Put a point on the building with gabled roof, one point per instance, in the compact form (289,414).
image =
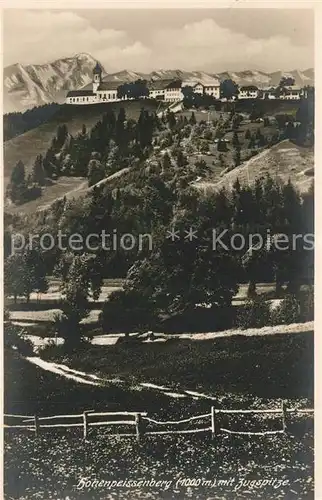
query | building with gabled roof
(248,92)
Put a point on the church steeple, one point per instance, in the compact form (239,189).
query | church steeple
(97,76)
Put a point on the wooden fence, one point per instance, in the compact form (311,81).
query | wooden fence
(140,421)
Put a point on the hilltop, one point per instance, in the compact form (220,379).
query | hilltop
(26,86)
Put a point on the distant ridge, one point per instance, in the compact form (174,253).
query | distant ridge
(26,86)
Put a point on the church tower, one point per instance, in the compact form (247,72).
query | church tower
(97,77)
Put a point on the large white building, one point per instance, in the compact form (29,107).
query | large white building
(248,92)
(166,90)
(96,92)
(204,87)
(291,93)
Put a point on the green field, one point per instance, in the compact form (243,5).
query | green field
(238,373)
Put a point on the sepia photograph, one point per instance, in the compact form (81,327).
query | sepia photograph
(158,253)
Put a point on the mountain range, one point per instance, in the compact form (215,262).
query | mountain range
(26,86)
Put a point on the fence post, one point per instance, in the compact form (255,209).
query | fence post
(37,426)
(85,424)
(284,412)
(138,426)
(214,428)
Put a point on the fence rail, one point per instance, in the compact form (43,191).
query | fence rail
(140,420)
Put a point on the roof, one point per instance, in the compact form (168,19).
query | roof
(175,84)
(249,87)
(292,87)
(109,85)
(164,84)
(80,93)
(205,82)
(98,68)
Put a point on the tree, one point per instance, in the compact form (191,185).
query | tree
(61,135)
(13,276)
(38,172)
(166,162)
(286,81)
(80,154)
(126,311)
(222,146)
(204,147)
(25,273)
(145,128)
(260,138)
(236,157)
(181,159)
(18,174)
(252,142)
(171,119)
(228,89)
(17,187)
(75,306)
(192,119)
(201,168)
(235,141)
(96,170)
(236,121)
(133,90)
(255,112)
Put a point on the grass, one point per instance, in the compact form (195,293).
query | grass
(266,367)
(285,160)
(27,146)
(42,307)
(240,373)
(54,466)
(64,186)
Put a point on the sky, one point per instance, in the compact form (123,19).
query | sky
(211,40)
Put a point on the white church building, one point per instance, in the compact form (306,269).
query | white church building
(106,91)
(100,92)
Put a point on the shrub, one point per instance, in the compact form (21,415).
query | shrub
(255,313)
(126,311)
(287,312)
(307,304)
(6,314)
(52,351)
(14,338)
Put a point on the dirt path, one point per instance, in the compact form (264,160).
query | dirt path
(91,379)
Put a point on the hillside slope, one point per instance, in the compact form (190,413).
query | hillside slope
(285,160)
(27,146)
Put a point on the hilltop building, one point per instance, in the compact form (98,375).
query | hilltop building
(205,87)
(98,91)
(171,90)
(248,92)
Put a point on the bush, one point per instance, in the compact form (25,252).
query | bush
(126,311)
(255,313)
(14,338)
(51,351)
(307,304)
(287,312)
